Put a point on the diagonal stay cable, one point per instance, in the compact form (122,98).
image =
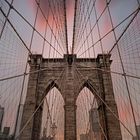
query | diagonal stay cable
(123,69)
(113,72)
(110,110)
(97,94)
(63,28)
(86,22)
(33,26)
(50,115)
(53,7)
(15,31)
(135,12)
(10,7)
(93,6)
(78,77)
(49,25)
(19,75)
(26,66)
(41,102)
(125,29)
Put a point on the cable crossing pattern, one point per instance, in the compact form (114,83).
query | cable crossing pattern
(40,28)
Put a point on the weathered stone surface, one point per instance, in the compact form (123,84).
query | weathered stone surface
(70,75)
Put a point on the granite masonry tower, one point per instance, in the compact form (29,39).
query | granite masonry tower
(70,75)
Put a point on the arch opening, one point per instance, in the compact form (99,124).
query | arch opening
(52,84)
(53,114)
(87,115)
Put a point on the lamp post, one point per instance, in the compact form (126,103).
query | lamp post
(53,128)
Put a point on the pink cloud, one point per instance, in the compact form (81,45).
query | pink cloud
(53,12)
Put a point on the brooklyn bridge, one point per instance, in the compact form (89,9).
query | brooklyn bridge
(69,70)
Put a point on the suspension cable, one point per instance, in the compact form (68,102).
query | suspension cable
(28,121)
(93,45)
(97,94)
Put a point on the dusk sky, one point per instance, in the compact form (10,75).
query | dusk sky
(118,9)
(53,31)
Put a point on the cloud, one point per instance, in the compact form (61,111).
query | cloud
(52,9)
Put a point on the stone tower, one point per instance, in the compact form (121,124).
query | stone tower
(70,75)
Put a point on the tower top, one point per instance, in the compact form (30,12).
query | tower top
(70,58)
